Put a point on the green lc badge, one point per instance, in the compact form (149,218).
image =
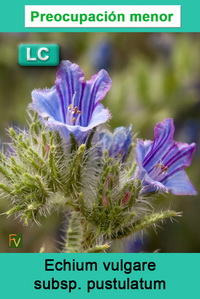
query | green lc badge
(38,54)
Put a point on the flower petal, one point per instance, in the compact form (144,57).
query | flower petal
(153,186)
(121,141)
(70,83)
(163,139)
(99,116)
(141,150)
(179,157)
(105,142)
(179,184)
(117,143)
(94,91)
(149,185)
(47,104)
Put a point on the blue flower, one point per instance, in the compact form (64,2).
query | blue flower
(72,105)
(117,144)
(161,163)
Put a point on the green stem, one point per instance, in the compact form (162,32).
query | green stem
(143,223)
(74,234)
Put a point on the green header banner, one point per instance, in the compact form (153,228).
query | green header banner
(141,276)
(15,16)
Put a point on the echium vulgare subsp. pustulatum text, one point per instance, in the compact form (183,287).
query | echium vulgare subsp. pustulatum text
(104,181)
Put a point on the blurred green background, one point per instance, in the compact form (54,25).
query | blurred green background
(155,76)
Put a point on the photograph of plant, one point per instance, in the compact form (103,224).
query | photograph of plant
(94,159)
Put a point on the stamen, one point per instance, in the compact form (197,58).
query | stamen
(73,99)
(70,107)
(164,168)
(159,171)
(75,109)
(77,119)
(73,113)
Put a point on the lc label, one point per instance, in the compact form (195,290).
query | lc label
(38,54)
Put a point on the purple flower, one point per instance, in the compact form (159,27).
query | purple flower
(161,162)
(72,105)
(117,143)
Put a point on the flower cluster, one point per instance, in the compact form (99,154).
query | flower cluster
(73,105)
(66,160)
